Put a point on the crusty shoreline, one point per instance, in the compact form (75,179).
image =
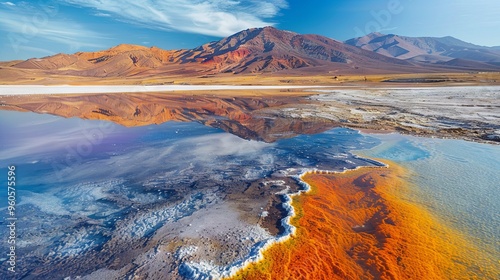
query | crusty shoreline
(355,224)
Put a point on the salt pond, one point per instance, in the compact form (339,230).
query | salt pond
(92,190)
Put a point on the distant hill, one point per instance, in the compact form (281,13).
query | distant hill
(265,50)
(426,49)
(122,60)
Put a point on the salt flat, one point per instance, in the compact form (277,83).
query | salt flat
(466,112)
(67,89)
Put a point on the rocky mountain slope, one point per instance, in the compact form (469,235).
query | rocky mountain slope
(270,49)
(266,50)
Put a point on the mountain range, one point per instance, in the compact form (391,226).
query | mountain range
(444,50)
(265,50)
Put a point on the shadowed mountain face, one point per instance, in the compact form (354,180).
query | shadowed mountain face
(256,50)
(429,49)
(246,117)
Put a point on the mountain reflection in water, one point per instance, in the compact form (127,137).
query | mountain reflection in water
(95,195)
(250,118)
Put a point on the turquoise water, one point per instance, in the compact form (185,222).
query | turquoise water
(458,181)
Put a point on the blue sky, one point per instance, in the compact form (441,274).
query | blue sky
(40,28)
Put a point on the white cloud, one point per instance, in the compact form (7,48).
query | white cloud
(208,17)
(8,3)
(209,147)
(99,14)
(25,27)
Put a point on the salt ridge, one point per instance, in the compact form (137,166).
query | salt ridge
(203,271)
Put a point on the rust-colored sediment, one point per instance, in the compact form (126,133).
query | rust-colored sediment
(355,225)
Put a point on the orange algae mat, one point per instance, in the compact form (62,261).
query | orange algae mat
(355,225)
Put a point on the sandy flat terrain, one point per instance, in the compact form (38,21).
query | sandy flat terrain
(330,78)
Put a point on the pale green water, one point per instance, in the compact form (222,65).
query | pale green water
(457,181)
